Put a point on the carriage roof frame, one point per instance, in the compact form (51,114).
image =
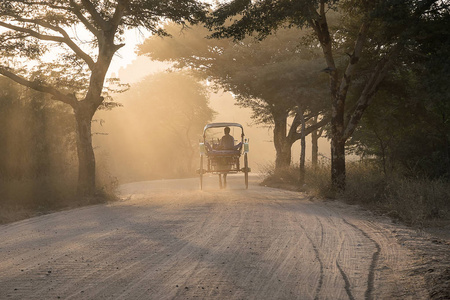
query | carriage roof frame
(222,124)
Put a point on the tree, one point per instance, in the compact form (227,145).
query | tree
(37,136)
(177,110)
(406,129)
(399,22)
(276,78)
(82,36)
(165,113)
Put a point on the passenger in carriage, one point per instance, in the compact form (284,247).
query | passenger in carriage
(227,141)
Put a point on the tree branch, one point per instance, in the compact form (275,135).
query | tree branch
(39,22)
(319,24)
(64,39)
(95,15)
(311,128)
(38,86)
(369,90)
(295,123)
(77,11)
(118,13)
(354,58)
(33,33)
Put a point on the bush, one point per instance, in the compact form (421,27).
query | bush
(25,198)
(416,201)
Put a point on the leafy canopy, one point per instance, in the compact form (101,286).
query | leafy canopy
(65,43)
(267,76)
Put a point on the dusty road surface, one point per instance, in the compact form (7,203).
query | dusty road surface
(168,240)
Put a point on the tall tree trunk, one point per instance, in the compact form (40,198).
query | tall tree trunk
(338,164)
(303,148)
(338,143)
(314,149)
(86,158)
(315,135)
(282,145)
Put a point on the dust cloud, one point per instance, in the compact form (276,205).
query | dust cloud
(136,144)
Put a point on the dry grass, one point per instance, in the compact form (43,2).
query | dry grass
(415,201)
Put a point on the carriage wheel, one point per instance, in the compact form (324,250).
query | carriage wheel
(201,172)
(246,170)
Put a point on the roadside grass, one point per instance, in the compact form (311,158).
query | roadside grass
(26,198)
(415,201)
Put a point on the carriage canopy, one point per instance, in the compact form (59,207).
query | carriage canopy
(222,124)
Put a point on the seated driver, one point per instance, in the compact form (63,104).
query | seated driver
(227,141)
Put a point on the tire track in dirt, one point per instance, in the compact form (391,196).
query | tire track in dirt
(373,264)
(347,285)
(330,237)
(394,262)
(316,251)
(326,241)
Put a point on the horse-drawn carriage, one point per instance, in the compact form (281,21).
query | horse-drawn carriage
(223,159)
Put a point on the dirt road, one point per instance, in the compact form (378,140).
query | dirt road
(168,240)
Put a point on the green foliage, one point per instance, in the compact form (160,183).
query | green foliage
(150,14)
(407,127)
(375,32)
(262,17)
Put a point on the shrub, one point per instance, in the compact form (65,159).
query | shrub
(416,201)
